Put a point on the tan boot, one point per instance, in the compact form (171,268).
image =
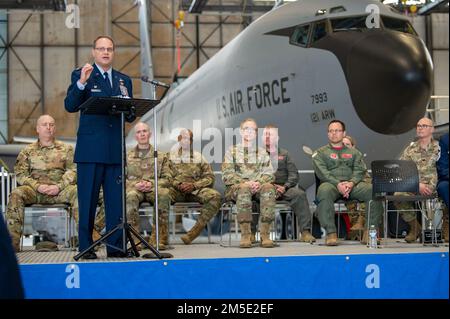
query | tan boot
(73,241)
(16,244)
(306,237)
(152,240)
(194,232)
(245,235)
(266,242)
(359,225)
(253,238)
(414,231)
(95,235)
(164,234)
(331,240)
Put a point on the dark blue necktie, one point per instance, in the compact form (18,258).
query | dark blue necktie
(108,83)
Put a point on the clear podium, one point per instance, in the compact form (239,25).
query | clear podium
(126,108)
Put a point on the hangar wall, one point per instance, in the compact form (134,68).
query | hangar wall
(439,48)
(42,51)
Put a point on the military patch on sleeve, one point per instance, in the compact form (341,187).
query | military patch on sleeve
(438,153)
(333,156)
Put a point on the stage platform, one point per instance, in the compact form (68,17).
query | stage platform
(210,271)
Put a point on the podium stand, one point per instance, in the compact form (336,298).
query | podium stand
(123,107)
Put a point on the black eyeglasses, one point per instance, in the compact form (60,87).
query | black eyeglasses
(423,126)
(102,49)
(335,131)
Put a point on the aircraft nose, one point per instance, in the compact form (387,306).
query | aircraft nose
(390,76)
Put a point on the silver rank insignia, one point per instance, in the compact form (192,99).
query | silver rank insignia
(123,88)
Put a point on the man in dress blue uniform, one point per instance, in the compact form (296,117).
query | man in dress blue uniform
(10,280)
(442,186)
(98,148)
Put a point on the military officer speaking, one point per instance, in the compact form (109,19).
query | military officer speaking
(98,148)
(341,171)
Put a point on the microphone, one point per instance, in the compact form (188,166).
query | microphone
(154,82)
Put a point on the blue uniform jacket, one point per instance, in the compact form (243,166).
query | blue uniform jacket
(442,163)
(99,136)
(10,279)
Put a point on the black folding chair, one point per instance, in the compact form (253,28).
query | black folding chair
(397,176)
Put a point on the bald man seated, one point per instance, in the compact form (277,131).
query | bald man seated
(45,174)
(425,152)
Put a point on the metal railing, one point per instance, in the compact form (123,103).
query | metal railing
(8,183)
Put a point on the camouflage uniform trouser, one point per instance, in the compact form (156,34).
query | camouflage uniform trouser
(408,216)
(135,198)
(327,194)
(242,195)
(208,197)
(25,195)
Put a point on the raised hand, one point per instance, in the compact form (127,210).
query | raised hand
(86,73)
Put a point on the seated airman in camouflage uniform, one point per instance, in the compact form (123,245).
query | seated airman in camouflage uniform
(193,181)
(247,173)
(341,171)
(425,152)
(141,184)
(46,174)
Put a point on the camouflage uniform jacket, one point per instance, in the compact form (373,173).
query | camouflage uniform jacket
(287,173)
(242,164)
(334,165)
(140,166)
(191,167)
(425,160)
(51,165)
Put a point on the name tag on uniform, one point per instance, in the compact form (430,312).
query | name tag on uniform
(280,157)
(347,155)
(96,90)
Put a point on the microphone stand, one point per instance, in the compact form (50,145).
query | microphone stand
(155,163)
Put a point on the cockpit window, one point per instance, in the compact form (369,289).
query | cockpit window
(338,9)
(398,25)
(300,35)
(349,24)
(320,30)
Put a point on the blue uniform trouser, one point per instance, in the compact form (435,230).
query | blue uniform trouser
(442,189)
(90,177)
